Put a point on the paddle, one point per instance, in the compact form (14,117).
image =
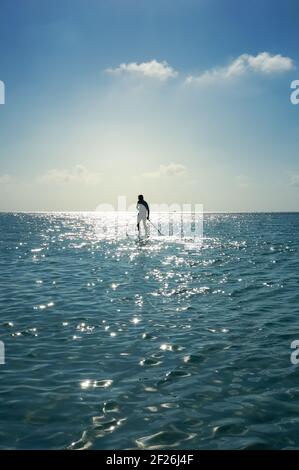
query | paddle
(159,231)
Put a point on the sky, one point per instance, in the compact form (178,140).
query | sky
(185,101)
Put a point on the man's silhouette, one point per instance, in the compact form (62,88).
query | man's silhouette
(143,213)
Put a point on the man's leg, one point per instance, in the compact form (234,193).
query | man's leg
(145,226)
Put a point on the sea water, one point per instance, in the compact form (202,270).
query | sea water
(165,344)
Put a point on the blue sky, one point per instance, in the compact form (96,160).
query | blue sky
(199,111)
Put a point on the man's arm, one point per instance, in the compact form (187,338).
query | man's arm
(147,208)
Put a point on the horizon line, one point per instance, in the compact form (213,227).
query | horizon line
(153,212)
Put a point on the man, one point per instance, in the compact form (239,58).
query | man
(143,213)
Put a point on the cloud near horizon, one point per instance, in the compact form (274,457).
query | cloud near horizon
(5,179)
(153,69)
(165,171)
(243,181)
(78,174)
(294,181)
(263,63)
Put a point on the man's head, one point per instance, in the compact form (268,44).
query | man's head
(140,197)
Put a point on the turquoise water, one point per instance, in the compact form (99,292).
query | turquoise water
(113,344)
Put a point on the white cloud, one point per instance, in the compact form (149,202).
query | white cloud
(166,171)
(267,63)
(78,174)
(294,181)
(263,63)
(152,69)
(5,179)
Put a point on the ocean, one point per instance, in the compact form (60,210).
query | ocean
(167,343)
